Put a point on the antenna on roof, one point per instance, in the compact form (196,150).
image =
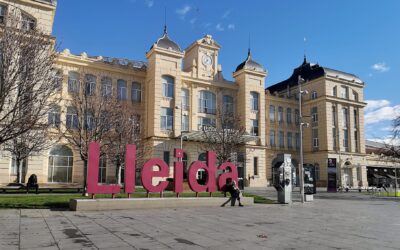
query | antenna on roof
(249,47)
(165,20)
(305,46)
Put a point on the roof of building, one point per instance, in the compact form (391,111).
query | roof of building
(166,43)
(309,71)
(52,2)
(374,144)
(250,64)
(121,62)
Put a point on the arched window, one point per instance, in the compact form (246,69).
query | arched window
(136,93)
(207,102)
(90,84)
(73,82)
(227,104)
(254,100)
(60,164)
(106,86)
(168,86)
(54,116)
(121,88)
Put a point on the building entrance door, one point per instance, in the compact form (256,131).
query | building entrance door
(347,176)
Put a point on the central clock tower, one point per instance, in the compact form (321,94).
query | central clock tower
(201,58)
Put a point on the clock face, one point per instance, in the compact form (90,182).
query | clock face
(207,60)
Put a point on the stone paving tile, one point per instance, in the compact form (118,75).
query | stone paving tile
(323,224)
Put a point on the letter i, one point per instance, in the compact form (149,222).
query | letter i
(178,171)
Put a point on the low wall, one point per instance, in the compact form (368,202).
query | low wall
(145,203)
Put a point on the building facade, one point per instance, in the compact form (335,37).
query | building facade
(177,92)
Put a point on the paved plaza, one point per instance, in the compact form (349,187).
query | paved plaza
(330,222)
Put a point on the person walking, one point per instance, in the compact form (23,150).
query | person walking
(233,189)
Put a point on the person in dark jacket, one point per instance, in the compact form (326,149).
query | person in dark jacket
(32,183)
(233,189)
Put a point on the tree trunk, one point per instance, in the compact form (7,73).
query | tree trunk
(19,170)
(119,173)
(84,190)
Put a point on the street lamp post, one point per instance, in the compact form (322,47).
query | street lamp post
(301,174)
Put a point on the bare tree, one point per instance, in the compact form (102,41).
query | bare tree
(127,131)
(91,115)
(27,79)
(34,141)
(226,137)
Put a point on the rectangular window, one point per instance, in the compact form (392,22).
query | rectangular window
(334,91)
(254,127)
(315,141)
(272,113)
(344,92)
(73,82)
(106,87)
(168,86)
(333,116)
(289,140)
(102,169)
(207,102)
(90,85)
(281,139)
(297,116)
(72,118)
(345,118)
(121,90)
(272,138)
(166,157)
(356,141)
(334,139)
(3,11)
(185,99)
(88,120)
(355,118)
(297,140)
(167,118)
(254,101)
(255,165)
(289,115)
(136,92)
(54,116)
(346,140)
(206,122)
(280,114)
(314,116)
(185,123)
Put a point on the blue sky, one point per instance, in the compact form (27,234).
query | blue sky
(359,36)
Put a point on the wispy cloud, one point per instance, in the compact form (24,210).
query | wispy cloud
(193,20)
(226,14)
(231,26)
(219,27)
(183,11)
(378,111)
(380,67)
(149,3)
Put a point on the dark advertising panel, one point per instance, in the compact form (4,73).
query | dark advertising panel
(331,174)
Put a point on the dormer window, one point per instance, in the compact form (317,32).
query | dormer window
(28,22)
(3,11)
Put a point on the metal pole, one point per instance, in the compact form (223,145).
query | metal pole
(301,144)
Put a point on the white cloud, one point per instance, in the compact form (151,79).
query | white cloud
(231,26)
(193,20)
(183,11)
(149,3)
(380,110)
(219,27)
(380,67)
(375,104)
(226,14)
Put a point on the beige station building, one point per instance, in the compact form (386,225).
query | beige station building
(177,91)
